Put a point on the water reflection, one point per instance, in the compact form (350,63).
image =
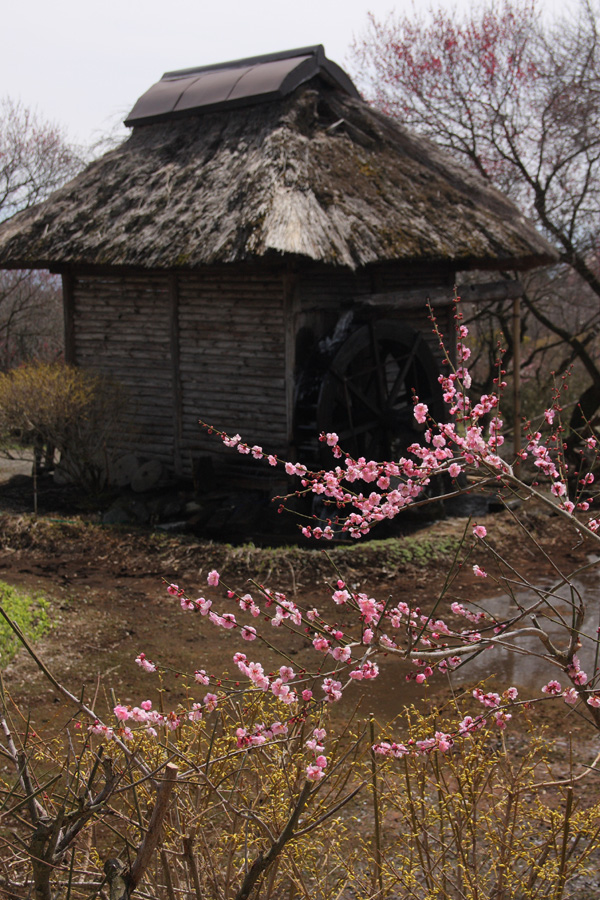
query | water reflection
(388,694)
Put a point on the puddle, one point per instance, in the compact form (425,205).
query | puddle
(388,694)
(524,670)
(11,467)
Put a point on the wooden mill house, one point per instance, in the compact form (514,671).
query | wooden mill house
(258,255)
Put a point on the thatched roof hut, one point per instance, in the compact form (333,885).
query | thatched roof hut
(259,215)
(318,174)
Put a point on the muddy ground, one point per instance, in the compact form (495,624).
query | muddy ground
(108,599)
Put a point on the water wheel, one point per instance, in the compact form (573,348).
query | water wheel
(362,389)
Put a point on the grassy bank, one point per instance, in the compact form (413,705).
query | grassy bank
(30,614)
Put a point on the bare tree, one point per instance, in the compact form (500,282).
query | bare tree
(519,100)
(35,159)
(31,321)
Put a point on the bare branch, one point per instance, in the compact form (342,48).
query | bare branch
(153,835)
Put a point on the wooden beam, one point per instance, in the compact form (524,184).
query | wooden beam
(517,378)
(443,296)
(290,310)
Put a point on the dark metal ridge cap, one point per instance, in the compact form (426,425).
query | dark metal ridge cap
(160,102)
(241,103)
(317,50)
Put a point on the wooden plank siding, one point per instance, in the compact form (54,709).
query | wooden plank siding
(222,345)
(209,345)
(232,363)
(121,327)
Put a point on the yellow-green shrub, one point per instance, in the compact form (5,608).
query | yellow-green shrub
(65,408)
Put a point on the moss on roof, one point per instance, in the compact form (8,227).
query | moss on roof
(319,175)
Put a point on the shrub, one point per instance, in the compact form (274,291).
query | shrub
(481,822)
(69,409)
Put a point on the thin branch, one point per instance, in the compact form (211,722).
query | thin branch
(262,862)
(153,835)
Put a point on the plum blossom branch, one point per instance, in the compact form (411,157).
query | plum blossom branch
(361,493)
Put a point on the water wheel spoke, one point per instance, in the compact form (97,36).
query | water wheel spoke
(379,369)
(403,373)
(355,430)
(349,385)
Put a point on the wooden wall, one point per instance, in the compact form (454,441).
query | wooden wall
(232,351)
(218,345)
(121,327)
(186,347)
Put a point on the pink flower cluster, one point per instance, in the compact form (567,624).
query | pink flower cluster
(441,741)
(316,769)
(152,718)
(259,734)
(143,715)
(494,702)
(447,448)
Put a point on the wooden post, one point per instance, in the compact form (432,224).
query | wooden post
(122,883)
(517,378)
(69,316)
(175,372)
(290,307)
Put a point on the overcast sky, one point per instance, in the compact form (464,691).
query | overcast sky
(83,63)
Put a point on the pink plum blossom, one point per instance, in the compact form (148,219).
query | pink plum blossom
(552,688)
(145,663)
(210,702)
(420,412)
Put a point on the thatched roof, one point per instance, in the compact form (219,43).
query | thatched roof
(318,174)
